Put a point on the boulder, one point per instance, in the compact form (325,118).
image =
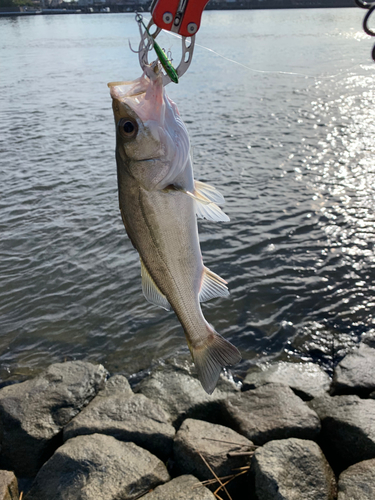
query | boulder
(348,429)
(33,413)
(307,380)
(98,467)
(118,412)
(269,412)
(368,338)
(224,450)
(358,482)
(181,488)
(8,486)
(182,396)
(292,469)
(355,374)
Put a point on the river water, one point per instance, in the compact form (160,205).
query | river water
(287,136)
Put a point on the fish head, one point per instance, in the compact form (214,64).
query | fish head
(152,142)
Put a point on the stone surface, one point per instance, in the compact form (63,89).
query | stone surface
(269,412)
(33,413)
(348,429)
(117,412)
(215,443)
(182,396)
(98,467)
(307,380)
(358,482)
(181,488)
(8,486)
(368,338)
(292,469)
(355,374)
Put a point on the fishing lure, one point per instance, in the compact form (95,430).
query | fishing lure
(162,56)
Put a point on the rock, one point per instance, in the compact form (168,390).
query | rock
(98,467)
(33,413)
(307,380)
(181,488)
(292,469)
(272,411)
(348,429)
(218,445)
(181,395)
(368,338)
(117,412)
(355,374)
(358,482)
(8,486)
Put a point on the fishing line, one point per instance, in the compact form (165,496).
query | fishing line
(289,73)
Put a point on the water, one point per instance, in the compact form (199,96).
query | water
(292,153)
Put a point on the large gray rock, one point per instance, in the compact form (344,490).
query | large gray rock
(307,380)
(220,446)
(181,488)
(348,429)
(118,412)
(358,482)
(182,396)
(368,338)
(355,374)
(98,467)
(292,469)
(8,486)
(33,413)
(272,411)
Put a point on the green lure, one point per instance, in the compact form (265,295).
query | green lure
(164,61)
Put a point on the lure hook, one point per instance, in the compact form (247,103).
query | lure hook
(148,42)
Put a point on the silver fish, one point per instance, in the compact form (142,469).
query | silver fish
(159,202)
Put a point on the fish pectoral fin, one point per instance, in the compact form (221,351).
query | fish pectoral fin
(211,356)
(212,286)
(209,192)
(151,291)
(205,208)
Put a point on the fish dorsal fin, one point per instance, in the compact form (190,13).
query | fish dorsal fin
(151,291)
(205,208)
(212,286)
(209,192)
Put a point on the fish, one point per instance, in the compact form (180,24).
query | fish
(159,204)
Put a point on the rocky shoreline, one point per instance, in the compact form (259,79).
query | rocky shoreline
(289,432)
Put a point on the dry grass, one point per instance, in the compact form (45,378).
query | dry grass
(224,481)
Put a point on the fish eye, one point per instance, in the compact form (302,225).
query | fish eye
(128,127)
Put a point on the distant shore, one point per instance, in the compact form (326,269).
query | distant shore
(236,5)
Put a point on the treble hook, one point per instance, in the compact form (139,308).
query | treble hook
(370,6)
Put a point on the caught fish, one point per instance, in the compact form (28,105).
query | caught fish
(159,201)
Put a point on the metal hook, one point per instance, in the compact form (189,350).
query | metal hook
(370,6)
(146,45)
(365,21)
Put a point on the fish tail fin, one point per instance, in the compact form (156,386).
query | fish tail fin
(211,356)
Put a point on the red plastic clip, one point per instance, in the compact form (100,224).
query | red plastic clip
(167,16)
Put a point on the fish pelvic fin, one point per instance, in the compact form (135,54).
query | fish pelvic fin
(151,291)
(211,356)
(212,286)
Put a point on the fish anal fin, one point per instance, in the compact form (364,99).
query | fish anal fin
(151,291)
(210,357)
(212,286)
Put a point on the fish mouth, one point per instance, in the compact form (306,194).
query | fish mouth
(144,96)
